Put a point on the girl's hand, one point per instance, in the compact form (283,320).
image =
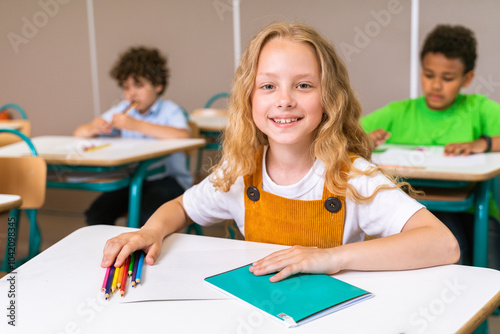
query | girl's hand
(298,259)
(122,246)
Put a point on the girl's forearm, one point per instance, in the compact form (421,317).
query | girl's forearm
(168,218)
(420,247)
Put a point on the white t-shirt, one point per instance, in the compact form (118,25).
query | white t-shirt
(385,215)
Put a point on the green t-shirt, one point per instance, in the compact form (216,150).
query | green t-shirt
(412,122)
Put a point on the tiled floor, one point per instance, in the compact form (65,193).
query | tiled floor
(55,225)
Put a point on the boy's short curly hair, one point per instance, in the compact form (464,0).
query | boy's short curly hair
(147,63)
(454,42)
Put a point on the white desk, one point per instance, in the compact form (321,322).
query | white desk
(58,291)
(64,154)
(209,120)
(9,125)
(424,165)
(8,202)
(67,150)
(427,165)
(210,123)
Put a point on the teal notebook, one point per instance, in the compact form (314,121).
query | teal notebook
(293,301)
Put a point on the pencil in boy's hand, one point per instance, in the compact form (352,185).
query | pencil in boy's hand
(139,268)
(110,280)
(105,283)
(124,277)
(130,106)
(131,265)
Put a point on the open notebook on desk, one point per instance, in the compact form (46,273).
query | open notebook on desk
(293,301)
(422,156)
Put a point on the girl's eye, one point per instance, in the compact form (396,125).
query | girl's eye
(448,79)
(304,86)
(267,87)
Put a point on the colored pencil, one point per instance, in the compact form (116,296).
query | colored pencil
(95,148)
(134,273)
(401,167)
(119,278)
(103,289)
(131,265)
(115,279)
(130,106)
(124,277)
(110,280)
(139,268)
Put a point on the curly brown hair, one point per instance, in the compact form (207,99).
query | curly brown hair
(147,63)
(454,42)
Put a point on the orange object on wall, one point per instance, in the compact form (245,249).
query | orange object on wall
(4,114)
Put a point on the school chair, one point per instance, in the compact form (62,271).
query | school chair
(211,135)
(215,98)
(23,125)
(26,177)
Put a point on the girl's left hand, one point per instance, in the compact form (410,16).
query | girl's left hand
(298,259)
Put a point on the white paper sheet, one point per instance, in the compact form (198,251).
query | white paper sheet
(426,156)
(179,275)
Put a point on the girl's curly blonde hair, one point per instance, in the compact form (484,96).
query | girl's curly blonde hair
(338,136)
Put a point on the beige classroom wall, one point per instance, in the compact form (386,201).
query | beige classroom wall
(482,17)
(45,61)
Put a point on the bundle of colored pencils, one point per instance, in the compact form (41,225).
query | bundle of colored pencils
(116,278)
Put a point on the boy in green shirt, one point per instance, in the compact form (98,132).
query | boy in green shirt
(462,123)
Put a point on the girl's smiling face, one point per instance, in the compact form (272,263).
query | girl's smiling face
(286,98)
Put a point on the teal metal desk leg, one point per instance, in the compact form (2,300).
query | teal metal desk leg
(481,222)
(35,237)
(480,250)
(134,208)
(482,329)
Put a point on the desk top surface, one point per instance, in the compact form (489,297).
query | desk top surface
(59,290)
(8,202)
(210,122)
(430,163)
(5,124)
(69,150)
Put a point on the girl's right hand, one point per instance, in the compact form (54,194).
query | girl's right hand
(123,245)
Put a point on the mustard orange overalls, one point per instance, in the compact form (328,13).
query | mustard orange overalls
(274,219)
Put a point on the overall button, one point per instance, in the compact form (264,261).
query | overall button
(333,204)
(253,193)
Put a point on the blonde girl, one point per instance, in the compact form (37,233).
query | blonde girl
(295,170)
